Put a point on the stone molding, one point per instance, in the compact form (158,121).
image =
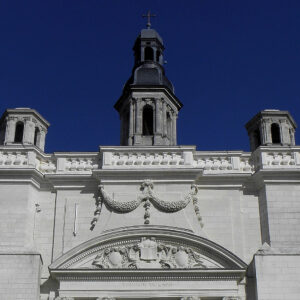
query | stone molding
(189,256)
(148,197)
(150,158)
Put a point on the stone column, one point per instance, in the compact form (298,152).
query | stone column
(174,131)
(42,139)
(268,136)
(142,53)
(284,133)
(164,117)
(131,117)
(158,129)
(29,130)
(154,53)
(138,117)
(10,130)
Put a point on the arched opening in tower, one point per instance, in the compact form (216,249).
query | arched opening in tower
(19,132)
(169,124)
(275,131)
(37,135)
(148,120)
(148,53)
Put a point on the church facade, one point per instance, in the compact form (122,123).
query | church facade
(149,219)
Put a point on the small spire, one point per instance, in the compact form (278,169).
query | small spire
(148,16)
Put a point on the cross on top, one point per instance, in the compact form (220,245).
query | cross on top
(148,15)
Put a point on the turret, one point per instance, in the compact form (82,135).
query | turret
(271,127)
(23,126)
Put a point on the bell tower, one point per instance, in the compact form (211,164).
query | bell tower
(148,107)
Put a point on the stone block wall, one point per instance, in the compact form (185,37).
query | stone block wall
(283,209)
(276,277)
(20,276)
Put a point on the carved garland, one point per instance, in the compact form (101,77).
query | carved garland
(148,197)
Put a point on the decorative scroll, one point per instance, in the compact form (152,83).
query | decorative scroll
(148,253)
(148,197)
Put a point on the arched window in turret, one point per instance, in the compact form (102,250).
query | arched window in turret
(275,131)
(169,124)
(256,137)
(19,132)
(148,120)
(148,53)
(37,135)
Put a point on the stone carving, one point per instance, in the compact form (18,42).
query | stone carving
(81,164)
(148,197)
(146,159)
(13,159)
(148,253)
(195,203)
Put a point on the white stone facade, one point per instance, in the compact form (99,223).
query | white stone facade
(149,220)
(52,205)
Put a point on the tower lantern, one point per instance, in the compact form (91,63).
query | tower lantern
(148,107)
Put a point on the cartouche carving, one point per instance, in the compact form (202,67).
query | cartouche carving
(149,253)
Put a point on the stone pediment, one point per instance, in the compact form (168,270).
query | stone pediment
(146,248)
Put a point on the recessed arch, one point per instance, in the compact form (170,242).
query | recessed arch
(148,120)
(275,132)
(19,132)
(37,136)
(149,53)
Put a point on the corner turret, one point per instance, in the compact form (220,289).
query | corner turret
(23,126)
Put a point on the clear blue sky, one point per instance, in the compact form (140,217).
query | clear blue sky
(69,60)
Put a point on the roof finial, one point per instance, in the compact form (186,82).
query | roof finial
(148,15)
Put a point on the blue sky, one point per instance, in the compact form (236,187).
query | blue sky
(69,60)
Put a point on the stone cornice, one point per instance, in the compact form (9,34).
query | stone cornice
(20,176)
(180,175)
(147,274)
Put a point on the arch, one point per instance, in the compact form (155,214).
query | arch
(37,136)
(148,116)
(275,132)
(81,256)
(149,54)
(169,125)
(19,132)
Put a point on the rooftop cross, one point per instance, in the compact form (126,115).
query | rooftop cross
(148,15)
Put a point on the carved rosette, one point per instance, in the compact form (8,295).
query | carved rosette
(147,197)
(148,253)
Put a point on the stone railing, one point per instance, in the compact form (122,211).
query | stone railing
(223,162)
(150,157)
(147,157)
(26,157)
(276,158)
(9,159)
(69,163)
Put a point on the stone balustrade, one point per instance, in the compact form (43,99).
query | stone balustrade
(276,158)
(223,162)
(147,157)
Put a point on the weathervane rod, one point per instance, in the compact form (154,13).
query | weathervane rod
(148,16)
